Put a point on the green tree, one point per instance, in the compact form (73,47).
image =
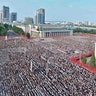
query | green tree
(79,30)
(84,59)
(28,35)
(92,61)
(4,32)
(6,26)
(18,30)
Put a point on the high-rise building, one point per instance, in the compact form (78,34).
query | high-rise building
(28,20)
(5,14)
(40,16)
(0,16)
(13,16)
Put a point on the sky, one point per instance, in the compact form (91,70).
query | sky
(55,10)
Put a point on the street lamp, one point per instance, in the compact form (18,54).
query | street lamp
(31,65)
(52,62)
(81,55)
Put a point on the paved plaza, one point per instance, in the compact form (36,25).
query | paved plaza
(36,67)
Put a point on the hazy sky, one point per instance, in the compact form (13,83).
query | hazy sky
(56,10)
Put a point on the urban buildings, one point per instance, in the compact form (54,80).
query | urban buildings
(52,30)
(40,16)
(13,16)
(6,17)
(28,20)
(5,14)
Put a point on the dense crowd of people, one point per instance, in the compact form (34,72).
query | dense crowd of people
(52,73)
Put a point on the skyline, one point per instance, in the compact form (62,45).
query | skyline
(66,10)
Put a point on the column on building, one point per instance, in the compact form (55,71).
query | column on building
(46,34)
(62,33)
(59,33)
(65,34)
(54,34)
(43,34)
(51,34)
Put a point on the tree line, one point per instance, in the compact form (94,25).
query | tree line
(5,27)
(79,30)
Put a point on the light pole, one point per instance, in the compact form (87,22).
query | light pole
(31,65)
(52,62)
(47,69)
(81,55)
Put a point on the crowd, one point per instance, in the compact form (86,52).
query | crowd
(52,73)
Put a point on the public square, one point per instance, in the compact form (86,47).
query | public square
(37,67)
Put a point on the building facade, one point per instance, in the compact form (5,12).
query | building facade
(52,30)
(40,16)
(13,16)
(55,33)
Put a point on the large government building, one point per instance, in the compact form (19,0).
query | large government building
(49,30)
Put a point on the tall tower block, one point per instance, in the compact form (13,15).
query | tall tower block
(40,16)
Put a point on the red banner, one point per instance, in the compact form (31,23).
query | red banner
(76,61)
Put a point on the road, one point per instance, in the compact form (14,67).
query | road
(11,33)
